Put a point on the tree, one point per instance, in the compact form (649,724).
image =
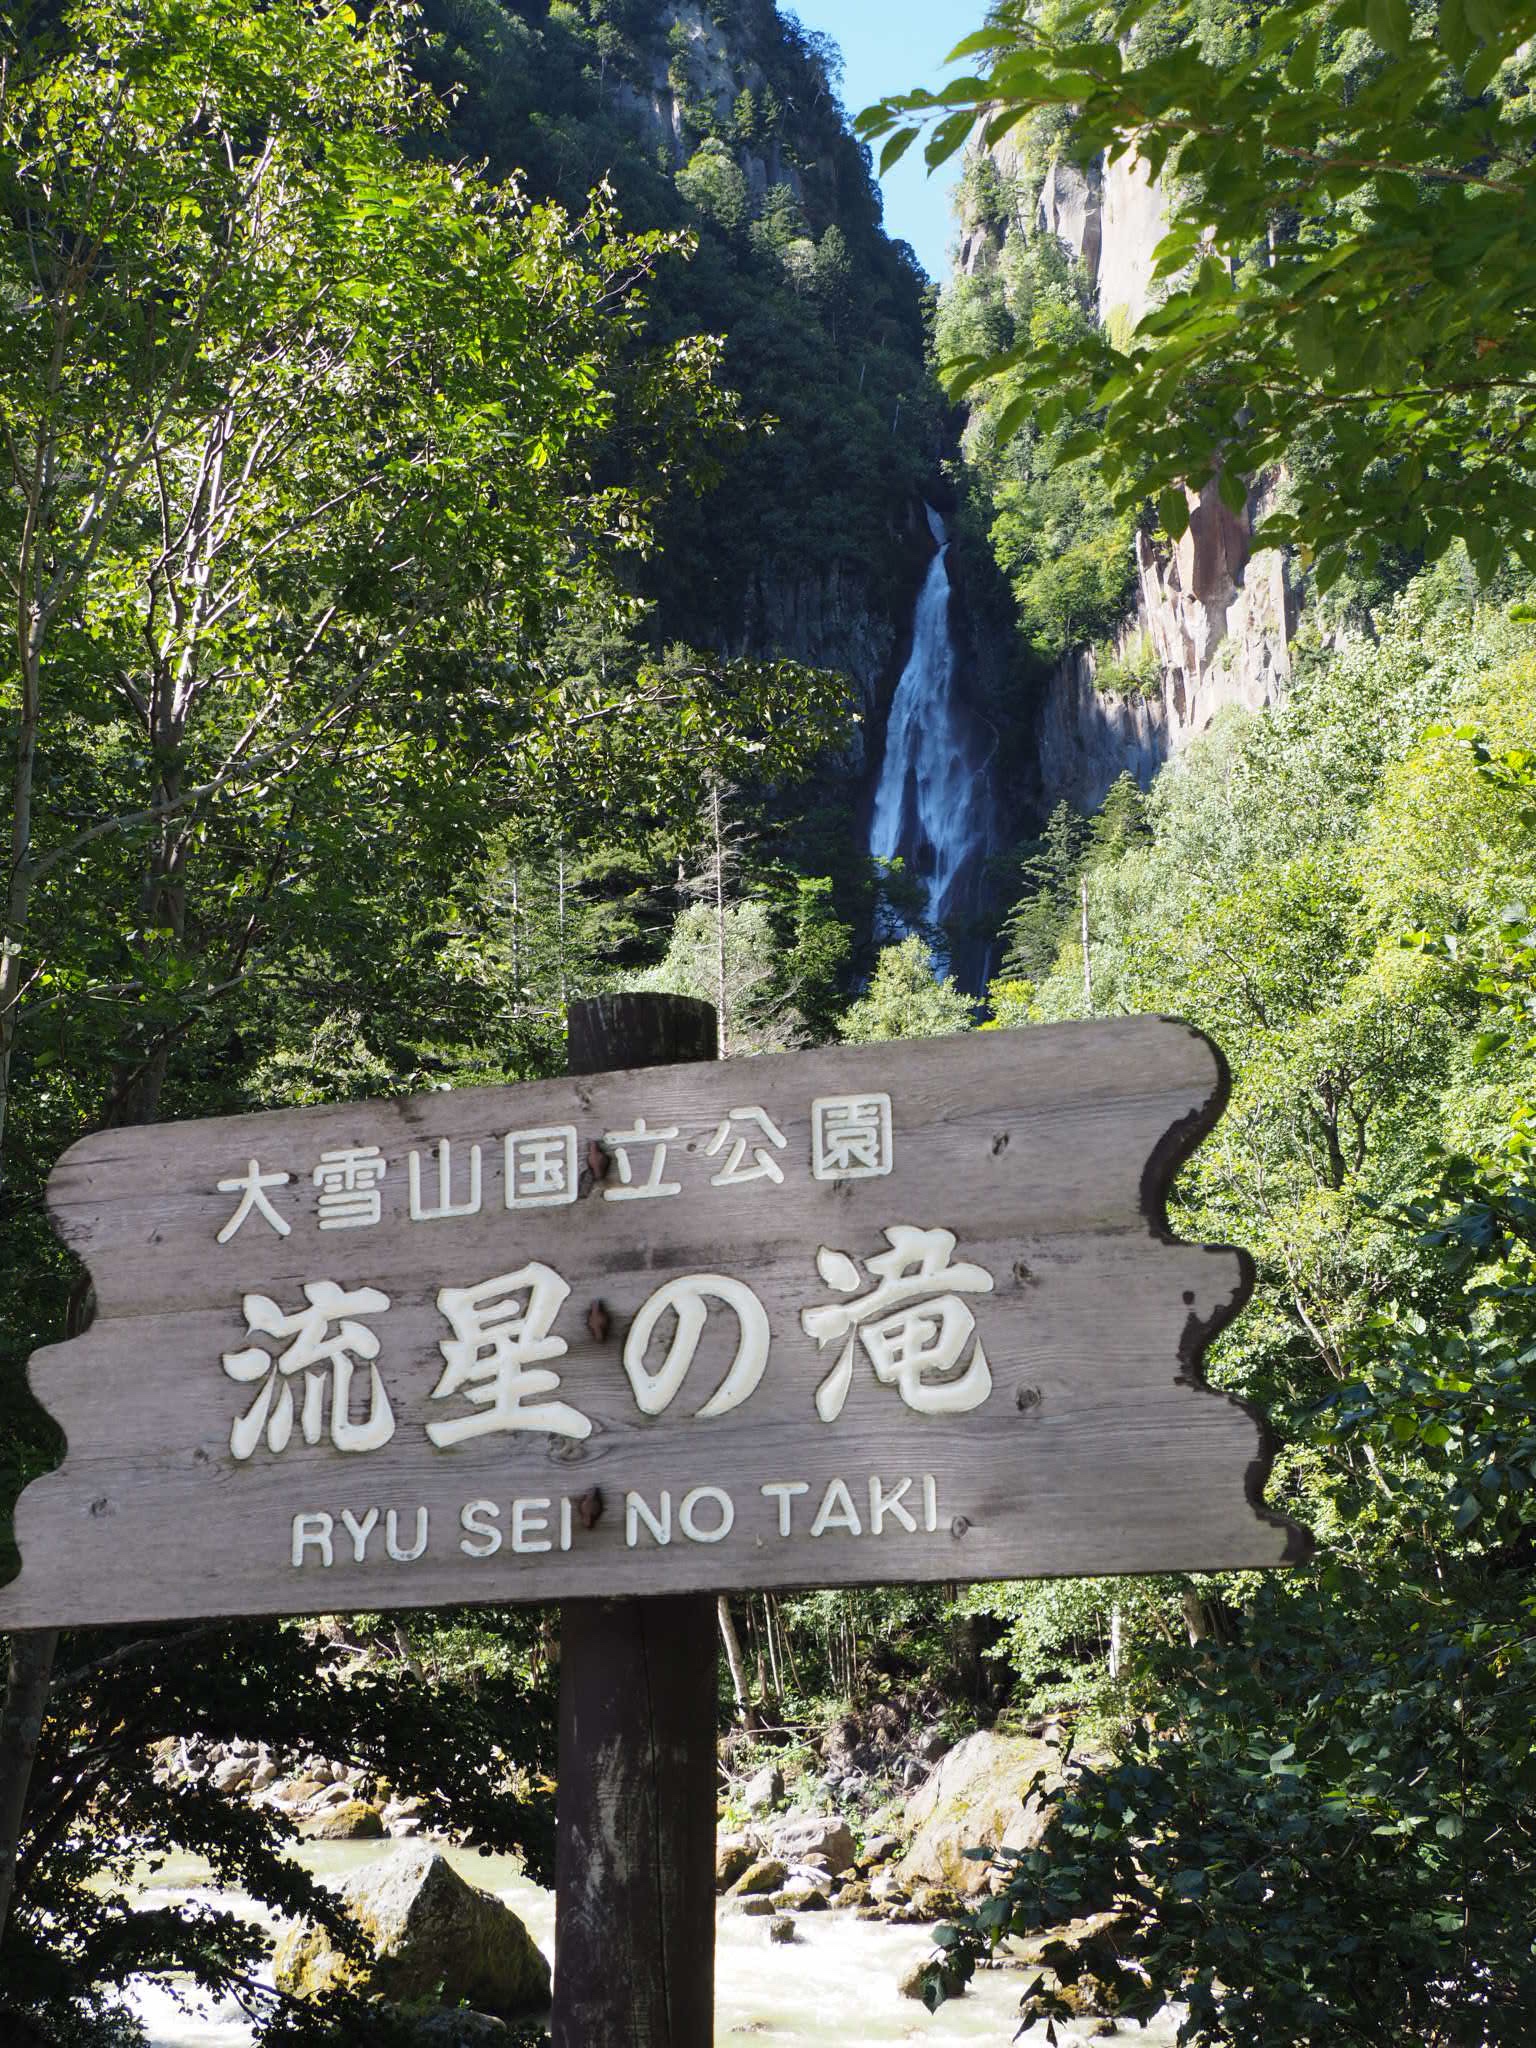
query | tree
(730,955)
(712,181)
(907,1000)
(1318,1823)
(237,368)
(303,432)
(1346,281)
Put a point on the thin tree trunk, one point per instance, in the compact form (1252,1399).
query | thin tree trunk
(738,1666)
(720,1003)
(18,894)
(28,1676)
(565,994)
(1082,887)
(517,949)
(30,1664)
(773,1660)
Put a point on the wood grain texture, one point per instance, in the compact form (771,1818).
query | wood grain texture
(1048,1153)
(635,1805)
(635,1847)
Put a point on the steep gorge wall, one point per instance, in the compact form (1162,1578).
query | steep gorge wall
(1219,618)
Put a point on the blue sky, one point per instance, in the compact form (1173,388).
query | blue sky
(892,46)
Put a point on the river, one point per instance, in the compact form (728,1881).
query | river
(835,1988)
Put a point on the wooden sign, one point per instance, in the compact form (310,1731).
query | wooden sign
(896,1312)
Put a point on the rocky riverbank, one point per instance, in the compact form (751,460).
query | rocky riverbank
(871,1822)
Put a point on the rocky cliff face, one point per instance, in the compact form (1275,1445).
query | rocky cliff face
(1220,622)
(832,623)
(1219,618)
(694,83)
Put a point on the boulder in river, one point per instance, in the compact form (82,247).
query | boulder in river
(766,1875)
(434,1937)
(733,1855)
(979,1795)
(460,2028)
(814,1834)
(345,1820)
(936,1967)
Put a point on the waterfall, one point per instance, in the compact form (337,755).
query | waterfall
(933,804)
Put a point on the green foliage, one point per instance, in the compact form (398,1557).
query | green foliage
(1129,668)
(1067,553)
(1054,868)
(712,181)
(340,753)
(907,1000)
(732,958)
(1345,274)
(1318,1824)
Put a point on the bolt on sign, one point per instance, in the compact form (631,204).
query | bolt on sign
(894,1312)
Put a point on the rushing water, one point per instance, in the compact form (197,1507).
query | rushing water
(835,1988)
(933,805)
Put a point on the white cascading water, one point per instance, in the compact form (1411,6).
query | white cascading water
(933,805)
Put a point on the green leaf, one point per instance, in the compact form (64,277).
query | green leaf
(896,147)
(1301,66)
(1232,489)
(1173,511)
(982,39)
(1391,25)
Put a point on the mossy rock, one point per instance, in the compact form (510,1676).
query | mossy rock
(800,1898)
(914,1984)
(982,1794)
(354,1820)
(731,1859)
(436,1941)
(766,1875)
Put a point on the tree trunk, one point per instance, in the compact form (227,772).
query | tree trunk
(740,1684)
(28,1676)
(720,1001)
(1087,953)
(18,895)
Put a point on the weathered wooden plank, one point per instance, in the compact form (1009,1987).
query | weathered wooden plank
(1046,1154)
(635,1809)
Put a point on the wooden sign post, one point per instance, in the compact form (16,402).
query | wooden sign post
(871,1314)
(635,1804)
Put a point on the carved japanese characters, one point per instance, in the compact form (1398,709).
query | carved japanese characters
(894,1312)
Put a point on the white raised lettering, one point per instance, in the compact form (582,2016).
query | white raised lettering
(784,1491)
(930,1503)
(685,1298)
(636,1512)
(312,1529)
(392,1537)
(882,1504)
(565,1525)
(478,1518)
(527,1516)
(837,1511)
(687,1514)
(445,1205)
(360,1531)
